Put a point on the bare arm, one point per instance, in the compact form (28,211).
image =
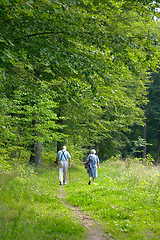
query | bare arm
(98,164)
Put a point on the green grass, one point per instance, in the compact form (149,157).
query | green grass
(126,201)
(30,209)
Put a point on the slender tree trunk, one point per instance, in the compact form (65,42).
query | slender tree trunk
(97,148)
(60,122)
(36,153)
(158,147)
(60,144)
(36,147)
(145,138)
(32,154)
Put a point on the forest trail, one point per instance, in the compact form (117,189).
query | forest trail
(94,231)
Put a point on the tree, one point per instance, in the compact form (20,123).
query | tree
(95,53)
(153,114)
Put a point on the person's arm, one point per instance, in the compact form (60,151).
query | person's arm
(69,158)
(98,164)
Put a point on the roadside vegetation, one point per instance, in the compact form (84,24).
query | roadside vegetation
(84,74)
(125,200)
(31,209)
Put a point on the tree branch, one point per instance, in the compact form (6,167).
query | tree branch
(42,33)
(55,71)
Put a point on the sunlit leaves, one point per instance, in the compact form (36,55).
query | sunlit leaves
(92,55)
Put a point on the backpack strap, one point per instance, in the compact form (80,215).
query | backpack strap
(62,156)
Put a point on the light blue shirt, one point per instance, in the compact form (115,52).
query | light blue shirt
(63,155)
(93,160)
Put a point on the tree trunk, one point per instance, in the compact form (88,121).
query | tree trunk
(145,138)
(60,122)
(38,153)
(158,147)
(97,148)
(32,153)
(60,144)
(36,156)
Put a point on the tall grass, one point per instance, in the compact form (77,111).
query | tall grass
(31,209)
(126,201)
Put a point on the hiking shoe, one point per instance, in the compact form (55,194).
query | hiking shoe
(89,183)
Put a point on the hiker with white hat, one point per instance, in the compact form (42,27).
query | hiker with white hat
(62,159)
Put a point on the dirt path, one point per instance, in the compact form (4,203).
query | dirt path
(94,231)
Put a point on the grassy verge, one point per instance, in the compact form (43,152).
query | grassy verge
(30,208)
(125,200)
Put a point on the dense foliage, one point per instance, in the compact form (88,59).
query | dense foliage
(153,116)
(76,70)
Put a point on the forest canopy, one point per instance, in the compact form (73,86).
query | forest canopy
(75,70)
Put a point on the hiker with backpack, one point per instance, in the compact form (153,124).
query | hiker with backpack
(93,163)
(62,160)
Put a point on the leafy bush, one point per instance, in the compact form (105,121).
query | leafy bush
(24,170)
(5,164)
(146,161)
(49,156)
(18,154)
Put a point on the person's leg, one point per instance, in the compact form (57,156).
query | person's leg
(90,175)
(94,174)
(93,180)
(89,181)
(65,168)
(61,173)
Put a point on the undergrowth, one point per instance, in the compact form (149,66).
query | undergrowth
(125,200)
(31,209)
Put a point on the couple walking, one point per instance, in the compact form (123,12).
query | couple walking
(62,159)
